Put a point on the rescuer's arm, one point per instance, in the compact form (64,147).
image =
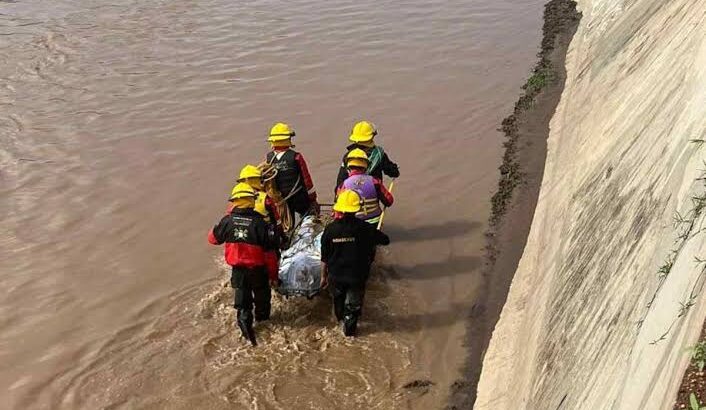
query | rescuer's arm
(272,209)
(272,268)
(389,168)
(342,175)
(306,177)
(325,254)
(216,235)
(308,183)
(384,195)
(324,275)
(274,215)
(267,238)
(380,238)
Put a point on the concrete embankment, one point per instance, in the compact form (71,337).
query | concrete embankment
(514,201)
(609,289)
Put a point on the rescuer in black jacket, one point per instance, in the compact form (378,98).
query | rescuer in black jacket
(250,248)
(293,179)
(363,137)
(347,251)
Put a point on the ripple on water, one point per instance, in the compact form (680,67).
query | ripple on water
(302,358)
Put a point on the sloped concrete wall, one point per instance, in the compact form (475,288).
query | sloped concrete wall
(590,322)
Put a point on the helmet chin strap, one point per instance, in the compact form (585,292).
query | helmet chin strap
(281,145)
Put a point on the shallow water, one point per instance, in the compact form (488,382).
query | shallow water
(122,127)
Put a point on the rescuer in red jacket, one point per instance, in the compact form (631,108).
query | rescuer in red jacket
(264,204)
(250,248)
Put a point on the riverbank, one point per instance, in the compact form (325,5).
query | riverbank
(143,320)
(609,288)
(513,204)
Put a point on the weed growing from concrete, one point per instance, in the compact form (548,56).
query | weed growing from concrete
(698,142)
(698,355)
(686,226)
(685,306)
(667,266)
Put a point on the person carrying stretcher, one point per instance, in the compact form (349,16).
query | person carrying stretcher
(264,204)
(293,180)
(347,252)
(250,249)
(363,137)
(371,189)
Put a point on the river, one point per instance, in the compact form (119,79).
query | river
(122,128)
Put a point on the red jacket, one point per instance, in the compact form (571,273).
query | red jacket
(249,242)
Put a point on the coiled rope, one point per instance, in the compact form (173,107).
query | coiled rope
(269,172)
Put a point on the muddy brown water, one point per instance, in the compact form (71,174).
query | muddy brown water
(122,126)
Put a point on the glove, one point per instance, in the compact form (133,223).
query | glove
(316,208)
(284,242)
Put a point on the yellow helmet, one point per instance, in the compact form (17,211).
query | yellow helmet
(280,132)
(249,171)
(348,201)
(357,158)
(363,131)
(260,207)
(242,190)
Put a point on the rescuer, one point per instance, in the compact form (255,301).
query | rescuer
(293,180)
(371,189)
(347,251)
(264,204)
(250,249)
(362,136)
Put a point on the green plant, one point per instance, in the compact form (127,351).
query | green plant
(667,266)
(686,226)
(685,306)
(537,81)
(698,355)
(699,204)
(694,403)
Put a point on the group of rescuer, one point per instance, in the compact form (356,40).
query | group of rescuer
(253,232)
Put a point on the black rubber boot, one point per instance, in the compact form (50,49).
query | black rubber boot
(352,308)
(245,325)
(350,325)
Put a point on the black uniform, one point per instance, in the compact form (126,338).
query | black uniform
(250,248)
(293,174)
(348,249)
(376,167)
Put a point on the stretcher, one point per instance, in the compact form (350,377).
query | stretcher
(300,264)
